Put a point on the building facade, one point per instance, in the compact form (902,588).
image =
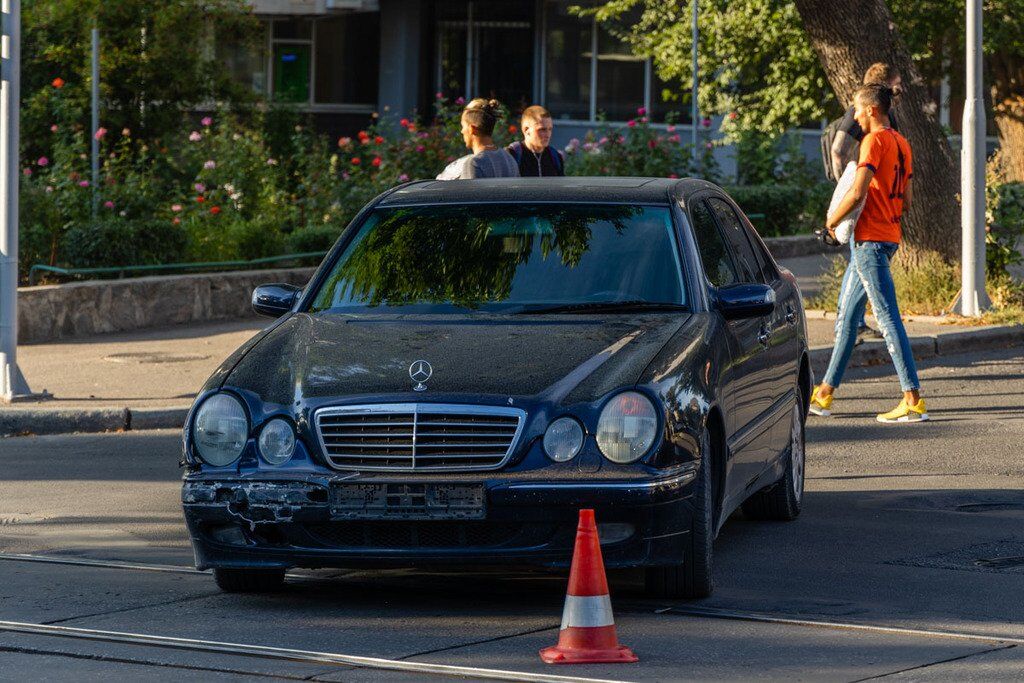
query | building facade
(343,60)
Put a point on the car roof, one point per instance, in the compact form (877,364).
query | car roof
(602,189)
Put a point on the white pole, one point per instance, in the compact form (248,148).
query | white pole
(95,120)
(973,298)
(693,92)
(12,383)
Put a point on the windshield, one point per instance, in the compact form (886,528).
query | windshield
(505,258)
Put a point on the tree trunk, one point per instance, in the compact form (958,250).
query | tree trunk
(851,36)
(1010,122)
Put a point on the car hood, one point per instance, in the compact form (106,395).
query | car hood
(562,358)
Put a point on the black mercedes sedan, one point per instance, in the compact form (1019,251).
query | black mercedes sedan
(476,361)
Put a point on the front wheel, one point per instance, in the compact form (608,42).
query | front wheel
(245,580)
(782,500)
(692,577)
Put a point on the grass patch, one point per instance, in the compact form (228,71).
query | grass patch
(930,289)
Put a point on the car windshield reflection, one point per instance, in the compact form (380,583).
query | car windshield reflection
(508,259)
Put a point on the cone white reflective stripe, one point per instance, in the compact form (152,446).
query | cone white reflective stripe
(587,611)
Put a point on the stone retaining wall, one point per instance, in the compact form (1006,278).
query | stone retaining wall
(51,312)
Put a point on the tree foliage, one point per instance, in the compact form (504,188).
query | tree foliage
(157,60)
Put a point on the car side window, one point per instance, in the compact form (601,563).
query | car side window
(748,268)
(714,254)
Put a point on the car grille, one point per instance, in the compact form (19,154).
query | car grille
(418,436)
(414,534)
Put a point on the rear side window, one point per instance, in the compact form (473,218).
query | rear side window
(746,262)
(714,254)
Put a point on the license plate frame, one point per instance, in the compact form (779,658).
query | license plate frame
(407,501)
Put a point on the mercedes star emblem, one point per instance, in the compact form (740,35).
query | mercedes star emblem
(420,371)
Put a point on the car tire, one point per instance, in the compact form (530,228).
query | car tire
(245,580)
(691,578)
(782,500)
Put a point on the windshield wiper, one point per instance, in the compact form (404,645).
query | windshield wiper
(628,306)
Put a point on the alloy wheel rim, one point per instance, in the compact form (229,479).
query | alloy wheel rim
(796,459)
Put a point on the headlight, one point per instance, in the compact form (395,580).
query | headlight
(277,442)
(221,429)
(563,439)
(627,427)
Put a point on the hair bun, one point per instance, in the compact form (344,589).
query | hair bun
(493,104)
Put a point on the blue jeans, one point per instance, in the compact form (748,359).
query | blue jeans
(868,278)
(849,275)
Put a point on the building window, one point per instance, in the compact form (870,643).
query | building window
(246,61)
(347,59)
(588,72)
(325,63)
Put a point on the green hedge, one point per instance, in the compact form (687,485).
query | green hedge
(788,209)
(118,242)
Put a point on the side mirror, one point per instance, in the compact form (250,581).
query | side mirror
(274,300)
(746,301)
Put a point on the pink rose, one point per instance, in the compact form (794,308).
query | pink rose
(420,148)
(53,128)
(706,122)
(402,178)
(83,183)
(670,128)
(631,123)
(100,132)
(206,121)
(108,204)
(194,136)
(460,101)
(709,146)
(210,165)
(27,171)
(641,111)
(43,161)
(200,188)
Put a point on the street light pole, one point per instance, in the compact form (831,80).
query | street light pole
(95,120)
(973,298)
(693,90)
(12,382)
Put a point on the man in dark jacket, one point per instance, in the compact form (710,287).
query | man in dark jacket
(534,154)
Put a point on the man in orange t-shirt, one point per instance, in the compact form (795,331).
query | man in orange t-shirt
(883,182)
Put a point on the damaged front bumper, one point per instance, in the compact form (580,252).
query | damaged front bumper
(316,522)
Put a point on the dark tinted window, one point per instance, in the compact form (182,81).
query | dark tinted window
(713,252)
(495,257)
(746,261)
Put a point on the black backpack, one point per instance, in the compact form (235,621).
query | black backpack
(828,136)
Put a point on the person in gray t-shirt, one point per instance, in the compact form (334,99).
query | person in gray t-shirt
(486,161)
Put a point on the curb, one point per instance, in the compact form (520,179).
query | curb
(926,346)
(39,421)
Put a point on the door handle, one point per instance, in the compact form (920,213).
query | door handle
(764,337)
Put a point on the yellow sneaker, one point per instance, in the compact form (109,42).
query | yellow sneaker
(821,406)
(906,413)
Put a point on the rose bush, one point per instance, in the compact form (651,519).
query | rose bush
(225,187)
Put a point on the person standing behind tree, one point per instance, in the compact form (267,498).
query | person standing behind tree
(534,154)
(486,160)
(883,181)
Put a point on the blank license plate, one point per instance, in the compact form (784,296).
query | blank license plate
(407,501)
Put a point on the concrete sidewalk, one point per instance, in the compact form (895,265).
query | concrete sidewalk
(147,380)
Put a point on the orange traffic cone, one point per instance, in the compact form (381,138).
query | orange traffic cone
(588,628)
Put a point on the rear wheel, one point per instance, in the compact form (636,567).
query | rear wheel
(245,580)
(782,500)
(692,577)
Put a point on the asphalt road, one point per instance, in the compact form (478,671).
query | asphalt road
(912,527)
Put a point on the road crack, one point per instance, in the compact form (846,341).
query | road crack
(477,642)
(943,661)
(132,609)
